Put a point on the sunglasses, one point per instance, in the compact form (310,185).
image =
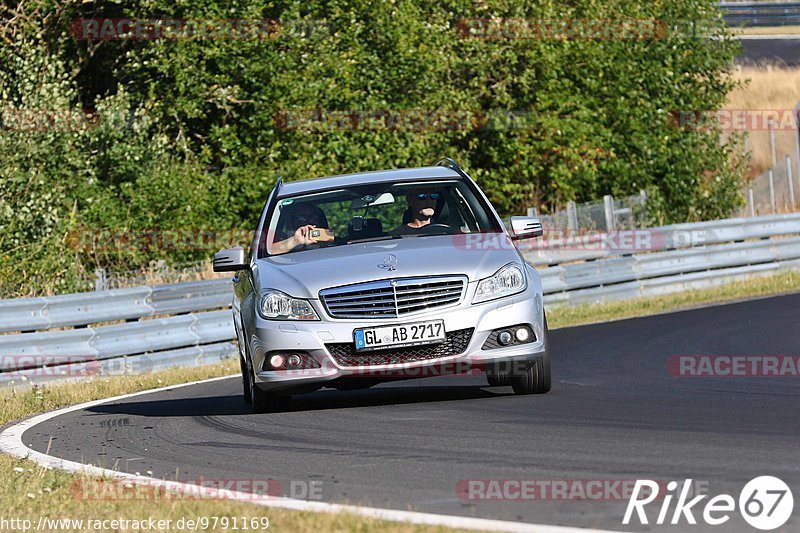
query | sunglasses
(426,195)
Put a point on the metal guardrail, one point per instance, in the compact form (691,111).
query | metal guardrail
(34,314)
(664,272)
(187,323)
(587,247)
(141,364)
(148,340)
(92,347)
(761,13)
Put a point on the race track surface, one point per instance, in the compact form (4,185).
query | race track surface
(615,413)
(770,51)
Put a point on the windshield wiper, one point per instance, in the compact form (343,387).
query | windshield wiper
(373,239)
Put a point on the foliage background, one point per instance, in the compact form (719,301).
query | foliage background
(185,134)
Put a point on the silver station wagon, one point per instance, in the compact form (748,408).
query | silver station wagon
(364,278)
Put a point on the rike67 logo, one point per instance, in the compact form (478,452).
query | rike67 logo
(765,503)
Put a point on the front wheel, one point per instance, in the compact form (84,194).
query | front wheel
(268,402)
(535,379)
(262,401)
(245,380)
(498,380)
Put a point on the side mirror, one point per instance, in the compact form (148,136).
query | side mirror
(525,228)
(230,260)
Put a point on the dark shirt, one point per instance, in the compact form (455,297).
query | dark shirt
(405,229)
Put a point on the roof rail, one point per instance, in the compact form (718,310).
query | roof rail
(278,184)
(450,163)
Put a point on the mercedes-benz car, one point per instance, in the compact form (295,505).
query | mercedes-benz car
(363,278)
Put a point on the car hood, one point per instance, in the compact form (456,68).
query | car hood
(304,274)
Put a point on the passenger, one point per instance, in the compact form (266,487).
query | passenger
(304,218)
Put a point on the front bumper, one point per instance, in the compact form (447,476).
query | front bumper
(312,337)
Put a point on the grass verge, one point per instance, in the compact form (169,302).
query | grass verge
(764,92)
(768,30)
(28,491)
(785,282)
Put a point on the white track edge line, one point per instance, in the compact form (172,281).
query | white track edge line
(11,443)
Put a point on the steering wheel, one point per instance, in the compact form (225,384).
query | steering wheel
(435,228)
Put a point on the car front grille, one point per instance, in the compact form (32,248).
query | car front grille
(392,298)
(455,343)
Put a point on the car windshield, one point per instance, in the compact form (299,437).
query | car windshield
(367,213)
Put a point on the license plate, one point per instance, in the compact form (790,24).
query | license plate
(382,337)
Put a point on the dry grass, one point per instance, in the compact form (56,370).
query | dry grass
(767,88)
(159,273)
(768,30)
(754,287)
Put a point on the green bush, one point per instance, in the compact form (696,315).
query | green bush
(191,133)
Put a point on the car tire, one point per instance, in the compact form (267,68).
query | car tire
(498,380)
(536,379)
(245,381)
(269,402)
(266,402)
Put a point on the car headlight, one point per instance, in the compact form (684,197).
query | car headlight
(275,305)
(507,281)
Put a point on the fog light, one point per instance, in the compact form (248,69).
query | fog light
(522,334)
(504,338)
(276,361)
(294,360)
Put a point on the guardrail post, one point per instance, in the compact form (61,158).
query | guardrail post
(608,204)
(572,216)
(100,279)
(531,212)
(790,179)
(772,191)
(797,134)
(771,126)
(751,201)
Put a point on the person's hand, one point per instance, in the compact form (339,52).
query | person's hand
(303,235)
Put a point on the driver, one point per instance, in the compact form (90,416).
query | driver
(422,204)
(303,218)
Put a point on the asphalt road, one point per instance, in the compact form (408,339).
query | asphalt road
(614,414)
(770,51)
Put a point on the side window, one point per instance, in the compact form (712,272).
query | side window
(465,216)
